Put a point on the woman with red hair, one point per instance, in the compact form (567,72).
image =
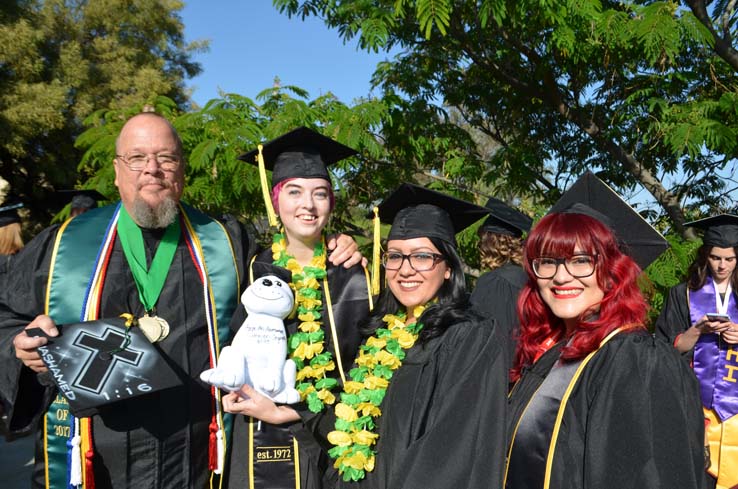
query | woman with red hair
(598,402)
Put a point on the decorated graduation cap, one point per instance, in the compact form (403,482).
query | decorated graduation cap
(416,212)
(301,153)
(504,219)
(720,231)
(96,363)
(9,214)
(80,198)
(592,197)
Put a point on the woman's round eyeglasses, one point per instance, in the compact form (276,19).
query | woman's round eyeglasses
(578,266)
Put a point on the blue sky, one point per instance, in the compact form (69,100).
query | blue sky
(251,43)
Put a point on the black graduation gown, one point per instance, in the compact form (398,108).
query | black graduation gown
(496,296)
(674,318)
(633,420)
(159,440)
(443,416)
(350,299)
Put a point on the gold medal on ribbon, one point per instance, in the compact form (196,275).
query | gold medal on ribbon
(154,328)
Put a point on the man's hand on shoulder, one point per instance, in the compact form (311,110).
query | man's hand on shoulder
(344,251)
(26,346)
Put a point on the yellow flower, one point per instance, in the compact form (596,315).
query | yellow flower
(369,409)
(293,266)
(311,303)
(339,438)
(404,338)
(326,396)
(387,359)
(309,326)
(418,311)
(311,283)
(372,382)
(365,437)
(306,317)
(375,342)
(359,461)
(305,373)
(366,360)
(318,261)
(393,321)
(320,370)
(346,412)
(352,387)
(308,350)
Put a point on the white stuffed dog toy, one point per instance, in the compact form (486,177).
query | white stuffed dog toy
(257,355)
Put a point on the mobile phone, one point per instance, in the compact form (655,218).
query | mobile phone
(723,318)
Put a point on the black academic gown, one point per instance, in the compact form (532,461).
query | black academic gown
(350,299)
(496,296)
(674,318)
(633,421)
(443,415)
(154,441)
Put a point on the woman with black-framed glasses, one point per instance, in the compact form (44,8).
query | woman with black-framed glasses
(598,402)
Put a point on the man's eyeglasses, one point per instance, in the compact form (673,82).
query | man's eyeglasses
(420,261)
(578,266)
(138,161)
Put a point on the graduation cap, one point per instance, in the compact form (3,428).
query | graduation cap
(416,212)
(301,153)
(96,363)
(592,197)
(720,231)
(79,198)
(9,214)
(504,219)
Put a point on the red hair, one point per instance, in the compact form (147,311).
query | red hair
(278,188)
(623,304)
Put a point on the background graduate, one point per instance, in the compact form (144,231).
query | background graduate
(688,323)
(501,250)
(599,402)
(323,335)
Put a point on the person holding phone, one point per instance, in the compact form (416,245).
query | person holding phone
(699,319)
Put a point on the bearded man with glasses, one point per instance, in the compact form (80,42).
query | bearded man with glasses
(179,272)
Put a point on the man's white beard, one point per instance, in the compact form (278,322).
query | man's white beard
(154,217)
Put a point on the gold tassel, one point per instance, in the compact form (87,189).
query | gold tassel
(375,253)
(271,215)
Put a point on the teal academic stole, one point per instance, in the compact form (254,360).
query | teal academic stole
(76,277)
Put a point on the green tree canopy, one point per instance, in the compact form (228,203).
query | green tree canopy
(633,89)
(61,60)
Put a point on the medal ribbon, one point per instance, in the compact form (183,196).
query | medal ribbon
(149,280)
(715,362)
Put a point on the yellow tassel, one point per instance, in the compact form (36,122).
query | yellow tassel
(271,215)
(375,253)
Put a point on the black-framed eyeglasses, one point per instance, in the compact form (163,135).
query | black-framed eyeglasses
(137,161)
(420,261)
(578,266)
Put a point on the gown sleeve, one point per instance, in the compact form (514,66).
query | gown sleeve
(674,318)
(23,284)
(462,444)
(644,424)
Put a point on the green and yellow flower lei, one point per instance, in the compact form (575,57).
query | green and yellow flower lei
(358,410)
(307,344)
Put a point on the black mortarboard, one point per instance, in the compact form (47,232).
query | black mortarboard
(720,231)
(302,153)
(504,219)
(9,214)
(591,196)
(416,211)
(80,198)
(96,363)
